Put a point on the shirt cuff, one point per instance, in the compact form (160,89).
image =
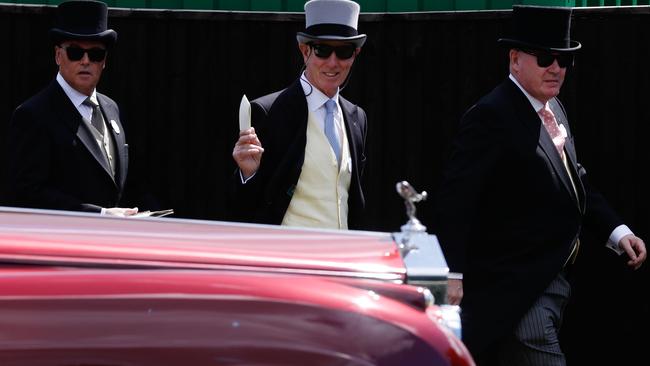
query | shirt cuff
(244,180)
(454,276)
(616,237)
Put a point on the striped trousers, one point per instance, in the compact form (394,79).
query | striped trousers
(535,341)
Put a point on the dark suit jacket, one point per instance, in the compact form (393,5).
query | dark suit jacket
(280,121)
(507,215)
(53,159)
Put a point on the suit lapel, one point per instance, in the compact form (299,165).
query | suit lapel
(352,127)
(547,145)
(116,132)
(69,115)
(570,153)
(296,114)
(534,124)
(286,127)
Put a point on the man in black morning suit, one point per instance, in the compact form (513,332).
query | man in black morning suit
(514,200)
(300,180)
(66,145)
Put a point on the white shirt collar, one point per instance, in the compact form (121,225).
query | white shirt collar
(315,97)
(537,105)
(76,97)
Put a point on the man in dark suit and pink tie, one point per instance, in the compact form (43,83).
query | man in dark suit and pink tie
(514,200)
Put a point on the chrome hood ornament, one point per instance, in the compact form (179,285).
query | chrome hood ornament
(413,225)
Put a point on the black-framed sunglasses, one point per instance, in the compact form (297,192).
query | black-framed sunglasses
(545,59)
(343,52)
(76,53)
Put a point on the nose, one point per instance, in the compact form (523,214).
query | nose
(85,59)
(332,59)
(555,66)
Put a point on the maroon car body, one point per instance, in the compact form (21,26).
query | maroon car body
(78,289)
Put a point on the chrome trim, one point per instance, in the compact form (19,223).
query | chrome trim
(98,263)
(429,299)
(451,319)
(426,265)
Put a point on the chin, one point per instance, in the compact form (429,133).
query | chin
(551,94)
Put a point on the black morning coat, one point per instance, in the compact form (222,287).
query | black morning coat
(280,121)
(506,213)
(53,160)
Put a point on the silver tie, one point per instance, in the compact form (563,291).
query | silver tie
(96,120)
(329,129)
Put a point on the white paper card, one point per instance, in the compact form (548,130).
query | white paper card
(244,113)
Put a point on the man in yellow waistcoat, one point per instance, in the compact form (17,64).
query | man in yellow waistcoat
(302,162)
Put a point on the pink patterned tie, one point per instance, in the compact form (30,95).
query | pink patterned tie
(557,133)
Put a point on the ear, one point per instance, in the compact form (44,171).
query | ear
(514,59)
(305,50)
(57,55)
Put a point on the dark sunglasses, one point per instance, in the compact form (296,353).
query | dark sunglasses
(343,52)
(545,59)
(75,53)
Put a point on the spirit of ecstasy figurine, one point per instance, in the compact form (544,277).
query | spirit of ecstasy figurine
(411,196)
(413,226)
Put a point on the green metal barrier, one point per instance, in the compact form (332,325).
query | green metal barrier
(367,6)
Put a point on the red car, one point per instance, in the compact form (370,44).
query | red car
(81,289)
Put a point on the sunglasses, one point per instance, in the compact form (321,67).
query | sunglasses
(75,53)
(343,52)
(545,59)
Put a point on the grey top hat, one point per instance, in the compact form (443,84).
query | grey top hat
(82,20)
(331,20)
(541,28)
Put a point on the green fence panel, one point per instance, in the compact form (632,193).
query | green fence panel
(296,5)
(46,2)
(402,5)
(369,6)
(198,4)
(502,4)
(471,5)
(433,5)
(591,3)
(233,5)
(131,3)
(549,2)
(266,5)
(166,4)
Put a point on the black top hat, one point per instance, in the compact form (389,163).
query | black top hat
(82,20)
(331,20)
(541,28)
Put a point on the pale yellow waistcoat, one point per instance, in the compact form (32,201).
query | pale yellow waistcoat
(321,196)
